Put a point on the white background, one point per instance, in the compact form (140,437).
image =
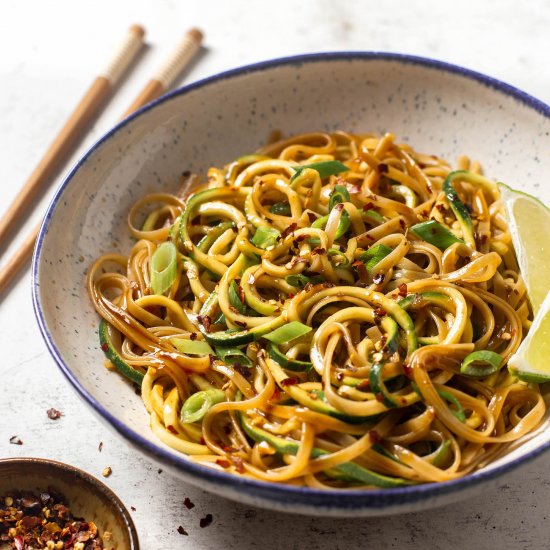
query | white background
(49,53)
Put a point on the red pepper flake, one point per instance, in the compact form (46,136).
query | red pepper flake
(379,397)
(339,207)
(212,359)
(327,285)
(228,448)
(291,295)
(14,440)
(378,279)
(104,347)
(319,250)
(402,224)
(203,441)
(182,531)
(54,414)
(353,188)
(133,508)
(171,429)
(441,208)
(374,437)
(238,463)
(276,395)
(407,370)
(188,503)
(205,321)
(288,230)
(100,446)
(241,324)
(206,521)
(289,382)
(159,471)
(193,336)
(379,312)
(368,206)
(382,168)
(403,290)
(223,462)
(196,220)
(308,287)
(19,542)
(363,385)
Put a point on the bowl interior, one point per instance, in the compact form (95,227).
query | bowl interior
(86,496)
(437,110)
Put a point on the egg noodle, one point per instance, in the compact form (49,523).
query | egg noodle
(335,311)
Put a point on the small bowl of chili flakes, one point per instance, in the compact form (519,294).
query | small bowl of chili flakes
(51,505)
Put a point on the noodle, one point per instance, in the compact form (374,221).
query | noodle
(339,314)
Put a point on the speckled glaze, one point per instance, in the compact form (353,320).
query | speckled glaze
(87,497)
(437,108)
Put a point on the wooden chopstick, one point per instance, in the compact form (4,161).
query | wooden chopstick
(179,59)
(85,112)
(169,71)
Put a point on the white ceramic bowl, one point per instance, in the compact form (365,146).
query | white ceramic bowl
(436,107)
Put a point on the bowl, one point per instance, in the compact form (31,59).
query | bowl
(436,107)
(86,496)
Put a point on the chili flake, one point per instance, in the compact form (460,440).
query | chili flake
(187,503)
(182,531)
(54,414)
(206,521)
(14,440)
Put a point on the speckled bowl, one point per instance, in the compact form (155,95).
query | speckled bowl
(87,497)
(438,108)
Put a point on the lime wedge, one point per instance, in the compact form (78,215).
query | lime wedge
(529,222)
(531,362)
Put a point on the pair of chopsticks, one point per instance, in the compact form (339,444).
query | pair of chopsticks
(87,110)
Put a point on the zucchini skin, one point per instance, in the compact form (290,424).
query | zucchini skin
(112,354)
(348,471)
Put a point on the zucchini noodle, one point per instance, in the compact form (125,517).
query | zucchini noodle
(321,302)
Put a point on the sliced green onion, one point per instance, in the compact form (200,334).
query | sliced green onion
(374,255)
(338,195)
(435,233)
(265,237)
(235,299)
(230,356)
(287,332)
(164,267)
(301,281)
(443,454)
(325,168)
(459,412)
(343,224)
(281,209)
(198,404)
(374,216)
(192,347)
(481,363)
(341,259)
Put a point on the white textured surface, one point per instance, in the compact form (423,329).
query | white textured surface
(49,60)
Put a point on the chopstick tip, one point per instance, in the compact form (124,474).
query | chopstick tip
(138,30)
(195,34)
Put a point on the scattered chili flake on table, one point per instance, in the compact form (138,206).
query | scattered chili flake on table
(182,531)
(133,508)
(14,440)
(54,414)
(44,521)
(187,503)
(100,446)
(206,520)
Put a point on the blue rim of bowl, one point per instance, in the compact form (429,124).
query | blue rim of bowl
(299,497)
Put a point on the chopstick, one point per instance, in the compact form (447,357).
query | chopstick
(88,108)
(169,71)
(161,82)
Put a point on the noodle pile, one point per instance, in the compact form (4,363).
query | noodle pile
(340,315)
